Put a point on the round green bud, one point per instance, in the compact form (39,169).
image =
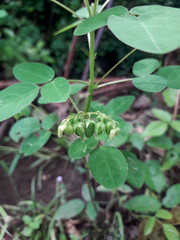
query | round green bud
(109,126)
(117,130)
(69,129)
(100,128)
(79,129)
(89,128)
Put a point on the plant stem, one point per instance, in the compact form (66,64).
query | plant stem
(89,185)
(78,81)
(95,7)
(117,64)
(104,5)
(73,103)
(88,7)
(66,8)
(114,82)
(91,63)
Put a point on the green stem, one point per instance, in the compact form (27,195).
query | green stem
(89,185)
(78,81)
(66,8)
(117,64)
(88,7)
(73,103)
(95,7)
(91,62)
(114,82)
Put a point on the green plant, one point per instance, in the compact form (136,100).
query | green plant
(98,124)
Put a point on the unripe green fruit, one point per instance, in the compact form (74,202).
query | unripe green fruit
(100,128)
(69,129)
(89,128)
(117,130)
(109,126)
(100,119)
(79,129)
(112,133)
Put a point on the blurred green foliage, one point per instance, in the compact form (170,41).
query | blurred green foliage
(27,34)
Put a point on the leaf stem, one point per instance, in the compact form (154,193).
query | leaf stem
(95,7)
(117,64)
(88,7)
(91,81)
(114,82)
(103,6)
(66,8)
(89,185)
(78,81)
(73,103)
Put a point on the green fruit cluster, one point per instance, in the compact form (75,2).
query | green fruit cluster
(82,125)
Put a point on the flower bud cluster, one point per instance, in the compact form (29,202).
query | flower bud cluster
(82,125)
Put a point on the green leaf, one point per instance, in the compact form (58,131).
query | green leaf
(3,13)
(85,192)
(153,176)
(149,226)
(171,75)
(72,25)
(70,209)
(108,166)
(150,83)
(164,214)
(171,159)
(56,91)
(162,114)
(96,106)
(135,170)
(91,212)
(145,66)
(172,198)
(99,20)
(80,148)
(34,142)
(155,128)
(160,142)
(24,127)
(27,231)
(151,9)
(140,32)
(15,98)
(27,219)
(175,125)
(49,121)
(75,88)
(136,140)
(169,96)
(143,203)
(170,232)
(119,105)
(177,147)
(83,12)
(33,72)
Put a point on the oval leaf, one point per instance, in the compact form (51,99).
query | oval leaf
(170,232)
(24,127)
(149,226)
(175,125)
(135,170)
(171,159)
(33,72)
(119,105)
(150,83)
(70,209)
(108,166)
(171,75)
(15,98)
(34,142)
(75,88)
(140,32)
(153,176)
(162,114)
(160,142)
(80,148)
(99,20)
(145,66)
(49,121)
(169,96)
(56,91)
(155,128)
(143,203)
(172,198)
(164,214)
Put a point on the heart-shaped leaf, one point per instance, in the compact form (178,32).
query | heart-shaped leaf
(145,66)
